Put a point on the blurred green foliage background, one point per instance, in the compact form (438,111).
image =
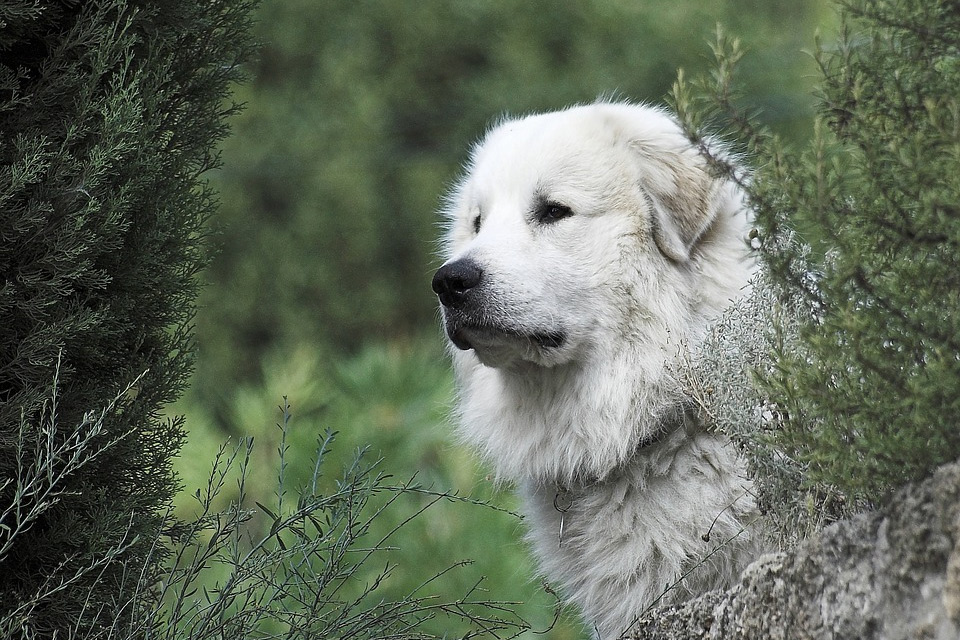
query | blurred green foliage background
(359,115)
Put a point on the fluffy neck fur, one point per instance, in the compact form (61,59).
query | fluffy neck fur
(570,428)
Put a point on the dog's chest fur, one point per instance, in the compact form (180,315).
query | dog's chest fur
(674,521)
(669,516)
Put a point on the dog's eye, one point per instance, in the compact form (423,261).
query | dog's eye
(551,212)
(476,224)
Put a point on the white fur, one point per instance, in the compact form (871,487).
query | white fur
(653,250)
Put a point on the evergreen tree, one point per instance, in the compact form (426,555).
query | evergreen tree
(869,392)
(109,112)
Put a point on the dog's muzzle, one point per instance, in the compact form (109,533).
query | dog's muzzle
(468,318)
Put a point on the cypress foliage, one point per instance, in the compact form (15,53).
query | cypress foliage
(109,112)
(886,197)
(869,393)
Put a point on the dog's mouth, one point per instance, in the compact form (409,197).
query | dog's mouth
(473,336)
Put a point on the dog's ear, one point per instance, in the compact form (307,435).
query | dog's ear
(683,198)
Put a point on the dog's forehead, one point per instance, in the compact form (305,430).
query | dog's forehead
(542,153)
(542,139)
(586,147)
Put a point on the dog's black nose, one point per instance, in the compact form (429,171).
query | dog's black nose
(452,281)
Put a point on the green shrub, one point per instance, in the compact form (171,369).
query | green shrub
(109,112)
(868,395)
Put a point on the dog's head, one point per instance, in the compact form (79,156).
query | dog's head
(570,226)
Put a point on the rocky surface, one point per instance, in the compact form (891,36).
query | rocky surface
(887,575)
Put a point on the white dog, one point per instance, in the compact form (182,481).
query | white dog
(585,247)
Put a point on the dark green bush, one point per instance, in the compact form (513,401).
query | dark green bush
(868,395)
(109,113)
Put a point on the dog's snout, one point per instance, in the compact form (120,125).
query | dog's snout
(453,281)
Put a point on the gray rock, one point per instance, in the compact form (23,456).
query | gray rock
(887,575)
